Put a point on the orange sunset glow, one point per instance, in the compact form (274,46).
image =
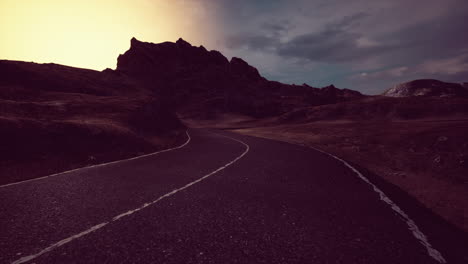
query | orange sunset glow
(91,33)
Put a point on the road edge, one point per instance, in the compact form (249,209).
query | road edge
(435,223)
(101,164)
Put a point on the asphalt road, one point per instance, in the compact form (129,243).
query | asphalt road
(221,198)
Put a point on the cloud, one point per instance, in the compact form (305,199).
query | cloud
(349,21)
(253,42)
(454,69)
(332,45)
(457,65)
(387,41)
(277,28)
(449,66)
(391,73)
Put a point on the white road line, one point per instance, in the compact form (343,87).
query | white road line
(417,233)
(100,165)
(118,217)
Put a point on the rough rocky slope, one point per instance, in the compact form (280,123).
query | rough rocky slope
(54,118)
(202,82)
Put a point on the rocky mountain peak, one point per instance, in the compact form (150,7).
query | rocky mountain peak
(330,87)
(169,58)
(187,75)
(182,43)
(134,42)
(242,68)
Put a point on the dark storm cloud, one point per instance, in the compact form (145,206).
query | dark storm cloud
(253,42)
(277,28)
(331,45)
(438,38)
(348,21)
(398,39)
(336,43)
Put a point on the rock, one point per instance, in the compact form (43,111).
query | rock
(188,75)
(243,70)
(184,44)
(427,87)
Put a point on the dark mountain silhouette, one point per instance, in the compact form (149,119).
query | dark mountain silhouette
(427,87)
(198,81)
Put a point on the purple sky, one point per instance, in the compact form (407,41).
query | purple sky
(359,44)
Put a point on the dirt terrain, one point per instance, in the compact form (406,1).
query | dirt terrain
(55,118)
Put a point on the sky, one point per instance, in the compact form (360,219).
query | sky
(92,33)
(365,45)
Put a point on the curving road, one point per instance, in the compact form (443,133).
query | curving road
(221,198)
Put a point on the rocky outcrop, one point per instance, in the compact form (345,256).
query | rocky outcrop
(196,81)
(427,87)
(243,70)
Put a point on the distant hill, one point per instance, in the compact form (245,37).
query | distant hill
(428,87)
(418,99)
